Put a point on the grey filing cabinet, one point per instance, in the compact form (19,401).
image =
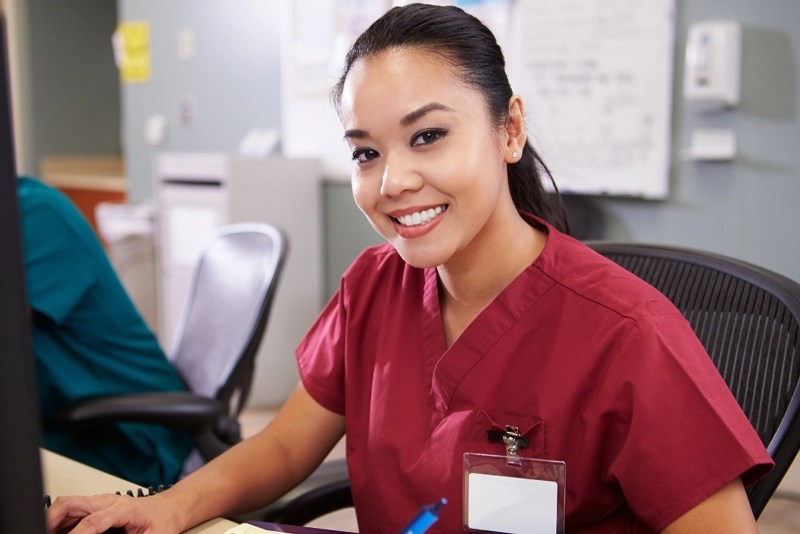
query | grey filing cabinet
(197,193)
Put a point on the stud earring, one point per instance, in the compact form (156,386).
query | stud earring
(514,154)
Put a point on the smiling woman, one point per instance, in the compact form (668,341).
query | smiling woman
(479,316)
(410,132)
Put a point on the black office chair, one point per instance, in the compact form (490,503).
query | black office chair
(326,490)
(223,322)
(748,319)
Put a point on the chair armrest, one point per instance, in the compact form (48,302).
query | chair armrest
(177,409)
(327,489)
(318,502)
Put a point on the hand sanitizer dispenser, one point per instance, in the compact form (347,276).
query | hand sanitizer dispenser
(712,77)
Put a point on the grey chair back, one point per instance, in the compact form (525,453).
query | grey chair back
(748,319)
(224,319)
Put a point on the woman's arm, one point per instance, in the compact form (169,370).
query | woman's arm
(252,474)
(726,512)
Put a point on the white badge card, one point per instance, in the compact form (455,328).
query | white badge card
(513,495)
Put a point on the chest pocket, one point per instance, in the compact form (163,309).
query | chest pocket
(530,428)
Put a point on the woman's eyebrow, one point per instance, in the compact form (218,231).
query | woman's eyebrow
(408,120)
(415,115)
(355,134)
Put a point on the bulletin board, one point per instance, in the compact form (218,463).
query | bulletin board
(596,78)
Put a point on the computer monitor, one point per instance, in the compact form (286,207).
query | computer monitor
(21,497)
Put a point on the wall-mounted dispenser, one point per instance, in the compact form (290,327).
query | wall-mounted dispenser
(712,77)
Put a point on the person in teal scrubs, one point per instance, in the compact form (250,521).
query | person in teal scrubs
(89,339)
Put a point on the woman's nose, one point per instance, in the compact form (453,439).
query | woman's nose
(398,178)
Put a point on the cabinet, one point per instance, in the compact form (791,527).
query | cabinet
(197,193)
(87,180)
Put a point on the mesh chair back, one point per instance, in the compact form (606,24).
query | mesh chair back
(226,312)
(748,319)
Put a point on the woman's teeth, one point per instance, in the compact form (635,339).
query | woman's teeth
(420,217)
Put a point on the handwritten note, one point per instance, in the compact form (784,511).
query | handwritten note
(596,77)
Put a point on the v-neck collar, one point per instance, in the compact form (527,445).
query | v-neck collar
(448,367)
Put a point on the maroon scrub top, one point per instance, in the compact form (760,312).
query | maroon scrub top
(595,367)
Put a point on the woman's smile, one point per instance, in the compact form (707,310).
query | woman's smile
(419,222)
(420,217)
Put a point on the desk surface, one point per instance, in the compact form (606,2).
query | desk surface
(63,476)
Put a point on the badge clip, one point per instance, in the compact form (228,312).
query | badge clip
(511,438)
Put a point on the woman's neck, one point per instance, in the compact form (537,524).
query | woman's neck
(469,283)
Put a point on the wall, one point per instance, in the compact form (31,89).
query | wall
(232,81)
(347,232)
(745,208)
(65,88)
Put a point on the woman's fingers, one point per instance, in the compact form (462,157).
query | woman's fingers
(97,514)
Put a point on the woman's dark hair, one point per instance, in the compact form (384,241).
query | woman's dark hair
(471,49)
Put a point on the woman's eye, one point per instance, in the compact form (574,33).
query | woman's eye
(363,155)
(427,137)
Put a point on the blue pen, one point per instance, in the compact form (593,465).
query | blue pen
(425,518)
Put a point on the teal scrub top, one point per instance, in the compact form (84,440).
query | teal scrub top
(89,340)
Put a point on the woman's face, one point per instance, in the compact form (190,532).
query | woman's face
(429,167)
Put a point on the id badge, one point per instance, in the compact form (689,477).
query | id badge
(513,495)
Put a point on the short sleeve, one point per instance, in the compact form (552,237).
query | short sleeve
(58,267)
(676,423)
(321,353)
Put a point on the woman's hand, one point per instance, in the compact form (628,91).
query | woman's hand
(248,476)
(99,513)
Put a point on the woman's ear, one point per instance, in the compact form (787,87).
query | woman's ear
(515,130)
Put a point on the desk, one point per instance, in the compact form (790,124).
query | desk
(63,476)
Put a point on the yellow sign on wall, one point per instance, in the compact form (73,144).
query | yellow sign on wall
(132,51)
